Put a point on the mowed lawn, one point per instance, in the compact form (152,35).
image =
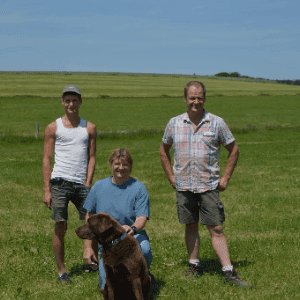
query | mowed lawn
(19,115)
(262,223)
(261,202)
(97,86)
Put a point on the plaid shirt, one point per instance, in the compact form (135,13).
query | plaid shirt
(196,153)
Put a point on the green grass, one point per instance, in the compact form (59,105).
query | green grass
(261,203)
(19,115)
(262,223)
(131,86)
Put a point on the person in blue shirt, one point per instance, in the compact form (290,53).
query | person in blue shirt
(126,199)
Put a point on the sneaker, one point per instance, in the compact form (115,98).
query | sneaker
(65,278)
(93,269)
(194,270)
(234,279)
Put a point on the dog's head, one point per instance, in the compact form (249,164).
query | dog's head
(101,227)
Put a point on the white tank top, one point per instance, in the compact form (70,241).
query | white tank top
(71,152)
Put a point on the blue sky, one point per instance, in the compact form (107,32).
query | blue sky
(255,38)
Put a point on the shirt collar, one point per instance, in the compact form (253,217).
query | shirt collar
(205,118)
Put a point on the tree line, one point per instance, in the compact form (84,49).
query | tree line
(238,75)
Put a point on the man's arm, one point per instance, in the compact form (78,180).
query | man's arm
(165,159)
(232,159)
(91,128)
(48,153)
(139,223)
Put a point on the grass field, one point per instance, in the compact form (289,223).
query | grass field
(19,115)
(261,203)
(97,86)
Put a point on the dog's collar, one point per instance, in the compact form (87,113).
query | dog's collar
(116,241)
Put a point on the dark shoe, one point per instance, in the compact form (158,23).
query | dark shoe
(65,278)
(194,270)
(94,266)
(234,279)
(93,269)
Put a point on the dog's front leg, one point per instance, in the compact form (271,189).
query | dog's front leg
(109,293)
(137,288)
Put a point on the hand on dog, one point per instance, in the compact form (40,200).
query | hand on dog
(128,229)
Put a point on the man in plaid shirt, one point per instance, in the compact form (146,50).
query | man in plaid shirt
(196,137)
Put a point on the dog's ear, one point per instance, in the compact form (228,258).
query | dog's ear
(85,232)
(100,223)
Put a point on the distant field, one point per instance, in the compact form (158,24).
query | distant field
(19,115)
(97,86)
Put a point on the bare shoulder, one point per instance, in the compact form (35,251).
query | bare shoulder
(50,130)
(91,128)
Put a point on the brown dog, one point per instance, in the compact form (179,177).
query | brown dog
(124,263)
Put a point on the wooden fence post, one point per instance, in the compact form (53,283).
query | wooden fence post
(37,130)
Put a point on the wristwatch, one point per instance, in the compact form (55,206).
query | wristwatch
(135,231)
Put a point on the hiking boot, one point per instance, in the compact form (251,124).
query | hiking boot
(194,270)
(234,279)
(65,278)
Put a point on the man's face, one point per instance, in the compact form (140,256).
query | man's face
(195,99)
(71,102)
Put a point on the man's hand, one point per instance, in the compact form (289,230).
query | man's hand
(166,163)
(128,229)
(47,200)
(222,184)
(88,254)
(172,181)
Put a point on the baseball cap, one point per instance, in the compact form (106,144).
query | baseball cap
(72,88)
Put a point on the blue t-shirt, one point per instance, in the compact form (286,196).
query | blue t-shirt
(123,202)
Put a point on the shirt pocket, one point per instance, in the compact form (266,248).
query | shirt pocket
(210,138)
(209,133)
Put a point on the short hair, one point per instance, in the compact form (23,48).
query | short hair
(196,84)
(122,155)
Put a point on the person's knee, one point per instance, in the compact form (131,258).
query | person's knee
(216,230)
(146,250)
(192,228)
(61,228)
(145,247)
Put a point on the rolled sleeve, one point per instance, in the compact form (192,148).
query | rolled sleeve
(168,136)
(225,135)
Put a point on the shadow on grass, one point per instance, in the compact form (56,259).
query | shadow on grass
(83,268)
(213,266)
(80,269)
(156,285)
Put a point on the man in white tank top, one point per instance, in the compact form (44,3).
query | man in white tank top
(74,142)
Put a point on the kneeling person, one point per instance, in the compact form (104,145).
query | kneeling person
(124,198)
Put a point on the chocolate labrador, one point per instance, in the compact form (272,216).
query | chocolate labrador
(124,263)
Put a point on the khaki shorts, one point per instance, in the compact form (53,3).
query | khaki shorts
(208,203)
(62,192)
